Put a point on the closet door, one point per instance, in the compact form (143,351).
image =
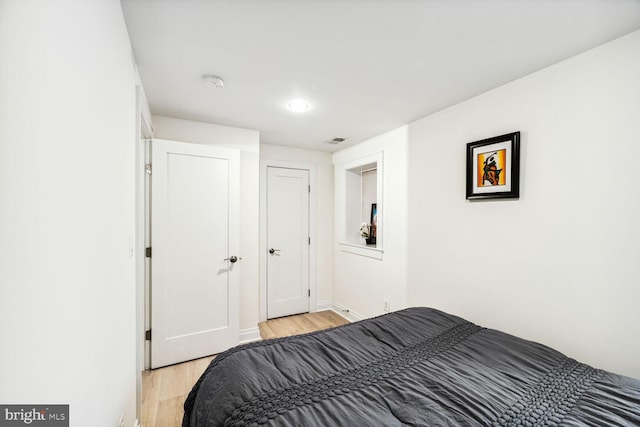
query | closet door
(287,241)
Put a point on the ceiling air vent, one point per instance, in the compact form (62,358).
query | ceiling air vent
(335,141)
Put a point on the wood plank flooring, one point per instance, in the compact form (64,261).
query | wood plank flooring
(164,390)
(300,324)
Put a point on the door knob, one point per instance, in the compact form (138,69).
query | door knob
(232,259)
(273,251)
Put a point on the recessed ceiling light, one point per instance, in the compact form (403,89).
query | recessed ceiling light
(214,81)
(298,105)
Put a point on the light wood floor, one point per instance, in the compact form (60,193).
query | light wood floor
(164,390)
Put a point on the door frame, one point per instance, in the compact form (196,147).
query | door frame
(313,277)
(143,132)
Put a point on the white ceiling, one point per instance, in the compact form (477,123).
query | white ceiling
(365,66)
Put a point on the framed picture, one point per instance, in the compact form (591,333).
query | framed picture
(493,168)
(373,233)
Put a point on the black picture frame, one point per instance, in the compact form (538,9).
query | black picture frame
(373,228)
(493,168)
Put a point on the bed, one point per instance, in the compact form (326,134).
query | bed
(417,367)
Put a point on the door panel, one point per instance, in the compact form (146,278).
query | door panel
(287,241)
(194,228)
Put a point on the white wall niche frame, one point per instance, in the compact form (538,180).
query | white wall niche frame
(349,205)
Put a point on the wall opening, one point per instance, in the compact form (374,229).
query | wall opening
(361,228)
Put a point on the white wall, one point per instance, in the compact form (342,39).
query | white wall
(369,194)
(67,217)
(247,141)
(323,167)
(361,284)
(561,265)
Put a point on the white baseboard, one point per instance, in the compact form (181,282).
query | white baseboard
(323,306)
(343,311)
(249,335)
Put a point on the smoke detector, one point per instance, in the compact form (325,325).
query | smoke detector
(214,81)
(335,141)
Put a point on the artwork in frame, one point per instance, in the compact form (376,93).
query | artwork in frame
(493,168)
(373,234)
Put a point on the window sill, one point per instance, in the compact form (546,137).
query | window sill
(370,252)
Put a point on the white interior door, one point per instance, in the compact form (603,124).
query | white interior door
(287,241)
(194,234)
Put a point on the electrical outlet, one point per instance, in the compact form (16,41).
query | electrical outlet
(386,305)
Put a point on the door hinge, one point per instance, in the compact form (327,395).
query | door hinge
(147,252)
(309,293)
(309,241)
(147,335)
(147,168)
(309,189)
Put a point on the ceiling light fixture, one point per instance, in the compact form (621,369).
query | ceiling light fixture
(298,105)
(214,81)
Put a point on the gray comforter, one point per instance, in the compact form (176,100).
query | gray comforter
(418,367)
